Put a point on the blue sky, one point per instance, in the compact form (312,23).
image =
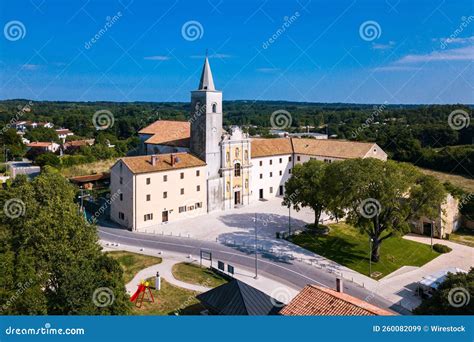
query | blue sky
(376,51)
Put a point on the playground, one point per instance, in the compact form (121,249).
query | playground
(178,298)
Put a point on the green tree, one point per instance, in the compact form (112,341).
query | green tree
(42,134)
(48,158)
(306,188)
(51,255)
(381,198)
(454,296)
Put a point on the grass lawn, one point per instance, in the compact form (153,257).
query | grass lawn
(347,246)
(88,169)
(194,274)
(170,300)
(463,182)
(463,236)
(132,263)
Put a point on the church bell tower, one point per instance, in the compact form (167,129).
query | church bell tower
(206,132)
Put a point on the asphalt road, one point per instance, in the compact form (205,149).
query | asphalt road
(291,272)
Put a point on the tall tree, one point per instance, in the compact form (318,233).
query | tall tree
(48,247)
(453,296)
(306,188)
(382,198)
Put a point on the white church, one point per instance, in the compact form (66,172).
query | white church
(189,168)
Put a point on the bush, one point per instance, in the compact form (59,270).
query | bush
(441,248)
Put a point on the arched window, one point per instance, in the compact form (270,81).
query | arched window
(214,107)
(237,170)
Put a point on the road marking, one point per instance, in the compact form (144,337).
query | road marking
(235,254)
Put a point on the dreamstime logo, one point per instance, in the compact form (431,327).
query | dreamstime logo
(109,22)
(192,30)
(369,208)
(14,30)
(287,22)
(280,296)
(370,30)
(14,208)
(280,119)
(459,119)
(103,296)
(453,38)
(458,297)
(103,119)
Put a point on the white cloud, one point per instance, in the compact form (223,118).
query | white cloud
(157,58)
(268,70)
(30,67)
(458,40)
(459,54)
(395,68)
(214,55)
(388,46)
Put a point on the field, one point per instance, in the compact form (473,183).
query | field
(347,246)
(88,169)
(132,263)
(194,274)
(463,182)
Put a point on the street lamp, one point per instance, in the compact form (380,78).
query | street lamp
(289,221)
(370,257)
(432,227)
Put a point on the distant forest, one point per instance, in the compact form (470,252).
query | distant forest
(419,134)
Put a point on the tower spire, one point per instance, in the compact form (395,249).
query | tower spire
(206,82)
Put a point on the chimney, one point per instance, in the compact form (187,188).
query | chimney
(339,285)
(172,159)
(154,159)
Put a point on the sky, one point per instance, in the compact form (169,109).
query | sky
(380,51)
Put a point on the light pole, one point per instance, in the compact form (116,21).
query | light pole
(370,256)
(256,252)
(289,221)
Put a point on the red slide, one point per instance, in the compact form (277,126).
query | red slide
(141,288)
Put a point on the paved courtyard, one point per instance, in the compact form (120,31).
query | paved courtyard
(238,225)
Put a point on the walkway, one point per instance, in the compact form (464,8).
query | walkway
(281,292)
(402,283)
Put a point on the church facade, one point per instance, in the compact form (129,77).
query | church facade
(190,168)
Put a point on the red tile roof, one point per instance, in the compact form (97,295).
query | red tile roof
(167,132)
(39,144)
(143,164)
(319,301)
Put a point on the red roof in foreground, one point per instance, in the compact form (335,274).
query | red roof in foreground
(319,301)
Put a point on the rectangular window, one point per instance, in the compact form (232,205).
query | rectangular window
(261,163)
(281,172)
(246,184)
(121,180)
(181,175)
(165,178)
(199,205)
(198,188)
(148,181)
(197,173)
(281,160)
(182,191)
(121,216)
(298,158)
(148,197)
(148,217)
(271,161)
(182,209)
(121,197)
(271,190)
(165,194)
(289,158)
(289,171)
(271,174)
(261,175)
